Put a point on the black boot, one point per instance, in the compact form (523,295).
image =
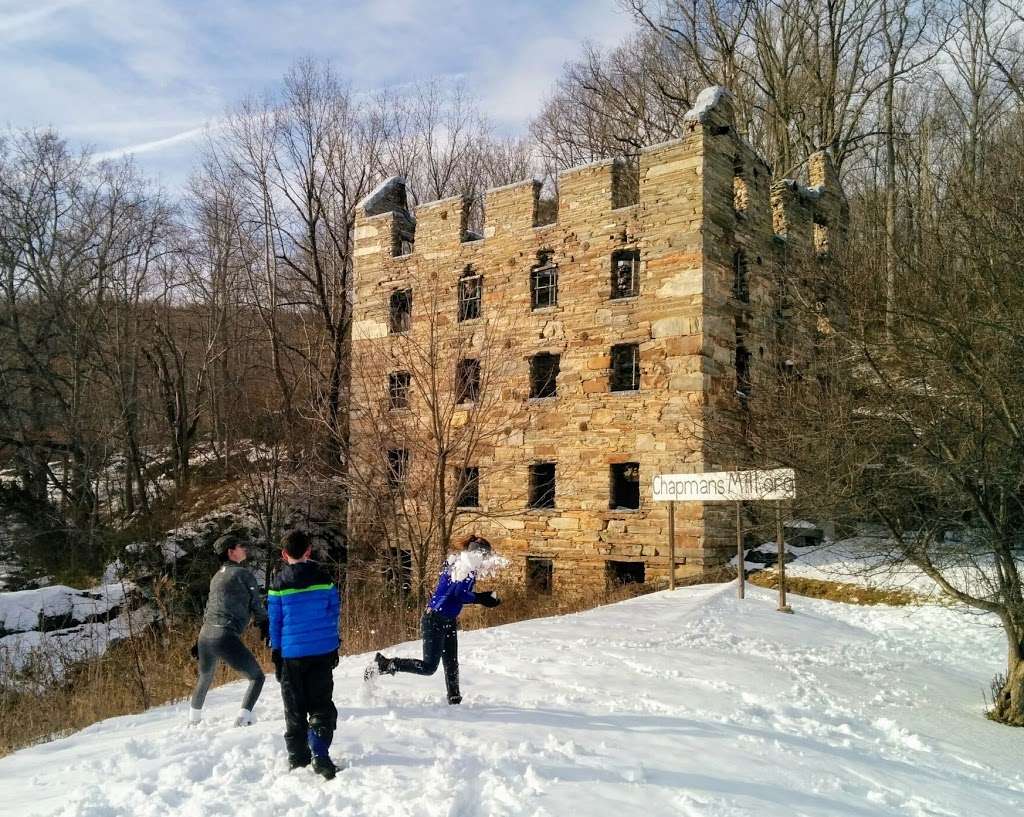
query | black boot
(451,683)
(380,666)
(297,761)
(324,767)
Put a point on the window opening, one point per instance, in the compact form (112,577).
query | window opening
(542,485)
(625,367)
(398,467)
(398,389)
(625,181)
(467,386)
(821,237)
(620,573)
(625,273)
(740,277)
(468,487)
(544,375)
(400,311)
(471,288)
(625,486)
(547,210)
(539,575)
(544,281)
(743,384)
(740,191)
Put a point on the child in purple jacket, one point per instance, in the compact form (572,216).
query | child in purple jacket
(439,625)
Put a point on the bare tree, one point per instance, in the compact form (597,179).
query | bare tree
(181,352)
(613,103)
(78,240)
(918,428)
(433,408)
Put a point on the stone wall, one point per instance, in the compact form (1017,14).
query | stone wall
(701,199)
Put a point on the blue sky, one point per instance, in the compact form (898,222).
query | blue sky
(146,76)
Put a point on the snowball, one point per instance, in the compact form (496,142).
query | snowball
(475,563)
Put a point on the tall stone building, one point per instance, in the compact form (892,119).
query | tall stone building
(593,352)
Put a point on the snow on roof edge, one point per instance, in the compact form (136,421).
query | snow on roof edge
(380,191)
(706,101)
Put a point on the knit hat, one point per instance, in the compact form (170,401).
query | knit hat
(233,538)
(478,543)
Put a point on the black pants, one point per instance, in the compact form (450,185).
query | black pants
(310,717)
(440,645)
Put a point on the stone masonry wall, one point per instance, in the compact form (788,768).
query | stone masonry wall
(702,198)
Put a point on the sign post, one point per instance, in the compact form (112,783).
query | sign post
(730,486)
(741,572)
(671,545)
(783,607)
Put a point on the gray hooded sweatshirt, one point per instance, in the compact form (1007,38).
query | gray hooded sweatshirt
(234,597)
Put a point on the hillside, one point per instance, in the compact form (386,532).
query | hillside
(691,703)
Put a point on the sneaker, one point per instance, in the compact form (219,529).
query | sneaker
(324,767)
(245,718)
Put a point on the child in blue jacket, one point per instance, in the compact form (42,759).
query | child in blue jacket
(303,605)
(439,626)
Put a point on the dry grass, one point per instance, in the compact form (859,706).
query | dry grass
(835,591)
(152,669)
(372,621)
(517,605)
(155,668)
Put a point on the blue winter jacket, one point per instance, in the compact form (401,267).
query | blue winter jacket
(449,595)
(303,606)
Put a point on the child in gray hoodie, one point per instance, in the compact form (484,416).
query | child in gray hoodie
(234,599)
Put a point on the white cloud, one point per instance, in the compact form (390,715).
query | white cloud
(26,20)
(144,76)
(190,135)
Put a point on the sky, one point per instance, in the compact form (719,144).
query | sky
(147,77)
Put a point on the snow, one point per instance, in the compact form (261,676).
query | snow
(861,560)
(381,193)
(689,703)
(809,193)
(52,654)
(29,641)
(706,102)
(484,565)
(801,523)
(21,611)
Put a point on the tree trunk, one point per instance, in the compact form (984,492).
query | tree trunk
(890,205)
(1009,704)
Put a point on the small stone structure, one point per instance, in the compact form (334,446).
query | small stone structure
(652,318)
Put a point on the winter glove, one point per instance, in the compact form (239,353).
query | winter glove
(335,660)
(264,626)
(275,656)
(488,599)
(194,651)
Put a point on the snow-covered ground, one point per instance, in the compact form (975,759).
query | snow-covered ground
(689,703)
(22,611)
(51,628)
(860,560)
